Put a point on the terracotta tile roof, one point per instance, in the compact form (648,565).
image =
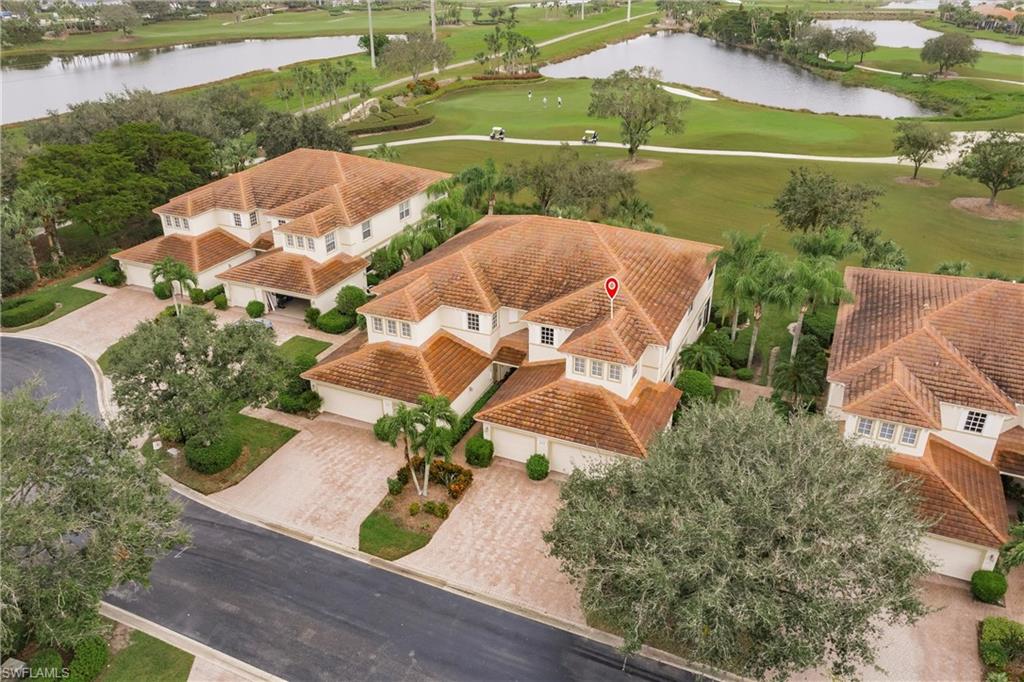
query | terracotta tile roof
(293,272)
(538,398)
(1009,457)
(264,242)
(513,349)
(444,365)
(910,340)
(961,493)
(622,340)
(305,180)
(555,270)
(199,252)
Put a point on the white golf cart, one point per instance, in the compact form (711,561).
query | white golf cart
(589,137)
(497,133)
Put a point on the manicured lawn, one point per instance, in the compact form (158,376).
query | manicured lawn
(958,99)
(299,345)
(936,24)
(908,59)
(260,439)
(380,536)
(698,197)
(147,658)
(67,297)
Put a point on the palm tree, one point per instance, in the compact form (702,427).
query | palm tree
(701,357)
(483,183)
(236,154)
(19,222)
(40,199)
(832,242)
(174,273)
(762,286)
(634,212)
(801,377)
(438,419)
(1012,553)
(953,267)
(383,152)
(809,282)
(405,424)
(736,263)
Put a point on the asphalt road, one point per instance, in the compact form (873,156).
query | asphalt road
(303,613)
(63,375)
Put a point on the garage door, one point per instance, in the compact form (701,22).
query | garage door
(240,296)
(513,445)
(952,558)
(348,404)
(137,275)
(566,458)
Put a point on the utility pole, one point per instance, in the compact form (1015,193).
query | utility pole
(373,48)
(629,9)
(583,10)
(433,21)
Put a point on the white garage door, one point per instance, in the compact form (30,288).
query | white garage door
(348,404)
(566,457)
(240,296)
(513,445)
(953,558)
(137,275)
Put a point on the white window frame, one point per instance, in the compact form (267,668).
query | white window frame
(404,210)
(289,240)
(975,421)
(406,330)
(378,324)
(614,372)
(167,220)
(861,421)
(473,322)
(329,242)
(579,365)
(392,327)
(882,427)
(177,223)
(253,219)
(184,224)
(597,369)
(237,219)
(494,321)
(367,230)
(911,431)
(547,333)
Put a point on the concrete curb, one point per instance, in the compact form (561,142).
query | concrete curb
(236,667)
(441,583)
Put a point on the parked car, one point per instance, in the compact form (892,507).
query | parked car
(497,133)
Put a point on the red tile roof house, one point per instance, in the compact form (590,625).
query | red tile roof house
(932,367)
(299,225)
(525,294)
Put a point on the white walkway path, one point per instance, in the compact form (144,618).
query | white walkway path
(925,75)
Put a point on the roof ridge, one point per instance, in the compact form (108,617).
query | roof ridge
(966,363)
(475,279)
(929,462)
(607,396)
(647,317)
(899,364)
(517,398)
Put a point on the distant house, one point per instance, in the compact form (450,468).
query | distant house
(932,368)
(522,299)
(299,225)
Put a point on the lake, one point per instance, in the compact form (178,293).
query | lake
(32,86)
(908,34)
(739,74)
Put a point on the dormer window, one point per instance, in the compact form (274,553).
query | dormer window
(167,220)
(597,369)
(184,223)
(310,244)
(404,210)
(289,240)
(579,365)
(975,421)
(237,217)
(378,324)
(909,436)
(547,336)
(494,321)
(614,372)
(177,222)
(886,431)
(865,427)
(329,242)
(473,322)
(406,330)
(367,230)
(392,327)
(253,219)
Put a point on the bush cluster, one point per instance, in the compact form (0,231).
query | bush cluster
(334,322)
(255,309)
(220,302)
(988,586)
(423,86)
(111,275)
(479,451)
(1001,643)
(379,429)
(214,292)
(312,315)
(438,509)
(525,76)
(90,657)
(162,290)
(215,456)
(197,296)
(47,664)
(19,311)
(820,63)
(390,117)
(456,479)
(297,395)
(695,386)
(467,420)
(348,299)
(744,374)
(414,508)
(537,467)
(395,487)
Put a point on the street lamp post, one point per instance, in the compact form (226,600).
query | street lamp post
(369,18)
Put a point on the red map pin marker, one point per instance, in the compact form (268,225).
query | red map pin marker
(611,287)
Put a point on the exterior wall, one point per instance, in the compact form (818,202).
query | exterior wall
(384,226)
(564,457)
(239,295)
(137,274)
(351,404)
(981,444)
(850,431)
(539,351)
(326,300)
(958,559)
(689,330)
(472,393)
(623,387)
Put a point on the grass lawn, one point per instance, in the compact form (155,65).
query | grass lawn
(908,59)
(65,294)
(260,439)
(698,197)
(147,658)
(299,345)
(380,536)
(936,24)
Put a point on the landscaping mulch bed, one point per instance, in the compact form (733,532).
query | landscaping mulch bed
(979,207)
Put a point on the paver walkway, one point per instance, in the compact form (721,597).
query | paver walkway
(748,392)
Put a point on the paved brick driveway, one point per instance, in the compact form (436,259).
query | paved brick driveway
(492,542)
(324,481)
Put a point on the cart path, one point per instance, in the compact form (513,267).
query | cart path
(889,160)
(468,62)
(925,75)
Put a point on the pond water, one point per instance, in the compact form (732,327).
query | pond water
(740,74)
(909,34)
(33,86)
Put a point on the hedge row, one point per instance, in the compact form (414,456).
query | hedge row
(820,63)
(20,311)
(528,76)
(401,122)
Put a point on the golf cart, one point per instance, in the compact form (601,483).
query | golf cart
(589,137)
(497,133)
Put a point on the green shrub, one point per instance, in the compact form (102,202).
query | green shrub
(438,509)
(726,371)
(395,487)
(19,311)
(1001,642)
(372,279)
(306,402)
(90,658)
(414,509)
(47,664)
(334,322)
(214,292)
(162,290)
(821,324)
(380,432)
(717,339)
(111,275)
(695,386)
(197,295)
(312,315)
(407,118)
(997,677)
(220,302)
(479,451)
(744,374)
(349,298)
(255,309)
(537,467)
(456,479)
(209,458)
(988,586)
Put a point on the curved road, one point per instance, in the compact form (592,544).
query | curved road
(303,613)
